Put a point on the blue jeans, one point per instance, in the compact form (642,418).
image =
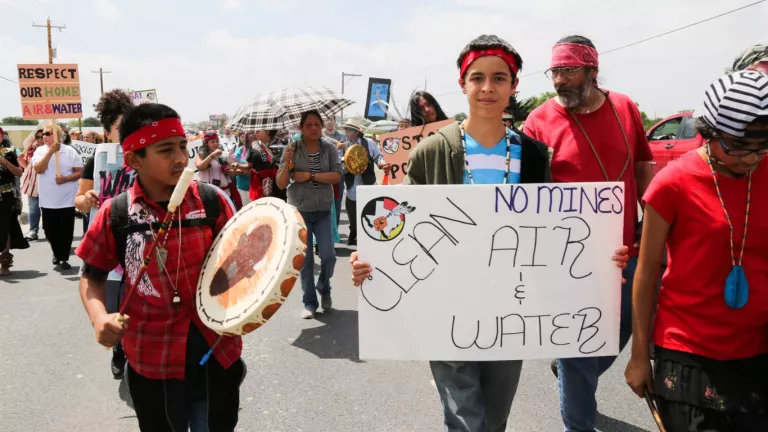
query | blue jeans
(34,214)
(319,229)
(578,377)
(338,201)
(476,396)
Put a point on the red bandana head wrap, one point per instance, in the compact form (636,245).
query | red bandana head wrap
(473,55)
(210,136)
(153,133)
(573,55)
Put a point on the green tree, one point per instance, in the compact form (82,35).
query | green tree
(89,121)
(18,121)
(539,100)
(460,117)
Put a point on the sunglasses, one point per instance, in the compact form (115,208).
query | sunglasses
(47,133)
(738,151)
(38,137)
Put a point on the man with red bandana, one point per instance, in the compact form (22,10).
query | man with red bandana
(596,136)
(163,338)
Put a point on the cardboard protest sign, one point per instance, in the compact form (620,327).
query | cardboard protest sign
(487,272)
(140,97)
(49,91)
(396,147)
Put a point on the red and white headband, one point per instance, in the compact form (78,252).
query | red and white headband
(573,55)
(153,133)
(473,55)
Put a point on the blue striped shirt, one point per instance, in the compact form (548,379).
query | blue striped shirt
(489,164)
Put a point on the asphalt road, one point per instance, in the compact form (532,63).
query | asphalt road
(303,375)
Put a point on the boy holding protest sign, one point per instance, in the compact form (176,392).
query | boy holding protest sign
(477,396)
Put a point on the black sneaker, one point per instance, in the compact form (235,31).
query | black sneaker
(64,265)
(118,364)
(32,237)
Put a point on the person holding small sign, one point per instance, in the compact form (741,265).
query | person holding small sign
(57,192)
(596,136)
(477,396)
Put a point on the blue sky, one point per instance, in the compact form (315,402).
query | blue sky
(210,56)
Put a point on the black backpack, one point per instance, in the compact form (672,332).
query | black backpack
(123,226)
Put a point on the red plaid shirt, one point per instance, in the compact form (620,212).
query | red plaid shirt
(156,338)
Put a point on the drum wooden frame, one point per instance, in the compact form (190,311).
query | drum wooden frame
(276,236)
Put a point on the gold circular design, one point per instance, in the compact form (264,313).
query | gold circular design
(356,159)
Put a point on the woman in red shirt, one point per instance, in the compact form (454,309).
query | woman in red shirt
(711,326)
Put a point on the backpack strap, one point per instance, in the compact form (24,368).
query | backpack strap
(119,220)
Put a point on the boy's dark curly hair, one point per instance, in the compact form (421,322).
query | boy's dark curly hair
(112,105)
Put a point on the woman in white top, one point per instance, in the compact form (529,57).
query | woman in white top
(57,192)
(209,165)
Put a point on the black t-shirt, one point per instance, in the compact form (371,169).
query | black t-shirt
(88,169)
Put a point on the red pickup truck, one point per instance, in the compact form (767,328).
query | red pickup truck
(671,138)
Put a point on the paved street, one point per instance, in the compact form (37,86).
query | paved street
(302,375)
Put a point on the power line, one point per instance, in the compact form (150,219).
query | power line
(612,50)
(9,80)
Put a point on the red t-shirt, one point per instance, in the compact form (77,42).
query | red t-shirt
(692,315)
(573,159)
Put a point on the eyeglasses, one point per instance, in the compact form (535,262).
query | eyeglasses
(568,72)
(738,151)
(47,133)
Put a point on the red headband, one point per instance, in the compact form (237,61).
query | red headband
(210,137)
(573,55)
(153,133)
(498,52)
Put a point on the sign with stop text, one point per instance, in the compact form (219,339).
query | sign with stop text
(479,273)
(49,91)
(396,147)
(141,97)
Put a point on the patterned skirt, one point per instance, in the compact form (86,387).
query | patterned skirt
(692,390)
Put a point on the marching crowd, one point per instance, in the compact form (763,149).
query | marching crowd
(709,309)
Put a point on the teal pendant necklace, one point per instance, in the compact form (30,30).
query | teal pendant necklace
(736,285)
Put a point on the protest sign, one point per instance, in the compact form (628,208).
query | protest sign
(490,272)
(396,147)
(49,91)
(141,97)
(85,149)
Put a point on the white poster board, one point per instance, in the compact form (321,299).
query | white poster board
(141,97)
(490,272)
(85,149)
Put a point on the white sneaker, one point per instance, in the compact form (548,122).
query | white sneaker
(307,314)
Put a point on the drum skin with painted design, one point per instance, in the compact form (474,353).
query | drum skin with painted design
(251,267)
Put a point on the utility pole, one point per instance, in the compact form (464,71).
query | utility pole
(101,73)
(48,26)
(344,76)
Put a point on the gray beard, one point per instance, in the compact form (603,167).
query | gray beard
(572,101)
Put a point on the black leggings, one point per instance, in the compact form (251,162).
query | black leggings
(59,227)
(352,216)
